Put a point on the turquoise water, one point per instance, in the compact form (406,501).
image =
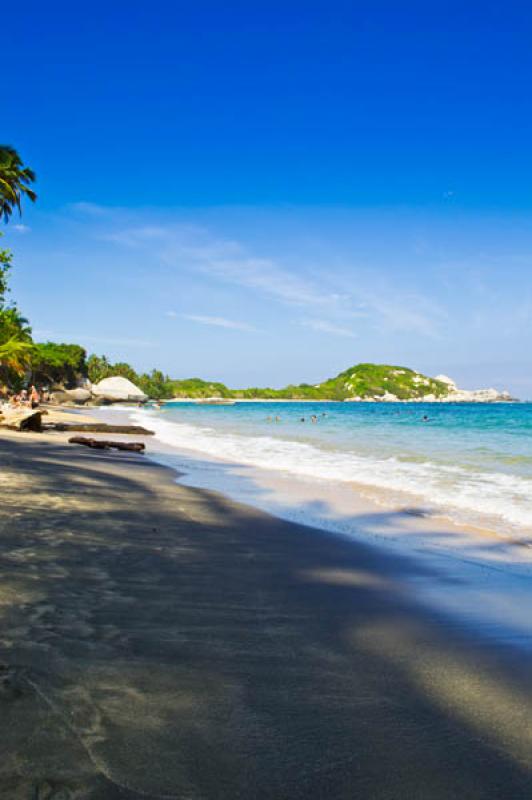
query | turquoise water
(474,460)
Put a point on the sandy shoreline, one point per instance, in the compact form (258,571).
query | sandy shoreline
(162,641)
(490,570)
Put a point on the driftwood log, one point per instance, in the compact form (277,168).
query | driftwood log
(103,444)
(99,427)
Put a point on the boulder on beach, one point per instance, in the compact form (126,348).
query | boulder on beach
(21,419)
(118,389)
(78,395)
(60,396)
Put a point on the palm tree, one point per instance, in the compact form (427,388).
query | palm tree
(15,355)
(14,181)
(16,345)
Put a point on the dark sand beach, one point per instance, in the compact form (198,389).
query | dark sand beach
(160,641)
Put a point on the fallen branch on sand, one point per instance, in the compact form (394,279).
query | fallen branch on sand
(98,427)
(103,444)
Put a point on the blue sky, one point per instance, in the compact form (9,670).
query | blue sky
(269,192)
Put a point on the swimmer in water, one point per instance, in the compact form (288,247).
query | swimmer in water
(277,419)
(302,419)
(425,418)
(314,418)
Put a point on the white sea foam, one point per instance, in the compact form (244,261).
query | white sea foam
(493,499)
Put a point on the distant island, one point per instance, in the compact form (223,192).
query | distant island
(67,371)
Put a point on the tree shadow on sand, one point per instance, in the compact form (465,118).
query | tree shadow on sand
(161,641)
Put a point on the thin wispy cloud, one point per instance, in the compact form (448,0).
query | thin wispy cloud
(227,261)
(20,228)
(83,339)
(388,306)
(322,326)
(403,312)
(219,322)
(90,209)
(135,237)
(369,295)
(268,277)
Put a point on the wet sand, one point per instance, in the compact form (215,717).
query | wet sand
(162,641)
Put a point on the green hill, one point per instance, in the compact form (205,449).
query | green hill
(375,380)
(64,365)
(364,381)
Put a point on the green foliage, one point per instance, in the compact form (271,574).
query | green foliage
(16,346)
(195,387)
(155,385)
(15,357)
(374,380)
(98,368)
(13,325)
(15,180)
(367,381)
(6,260)
(62,364)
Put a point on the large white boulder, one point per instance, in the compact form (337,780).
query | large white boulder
(118,389)
(447,380)
(78,395)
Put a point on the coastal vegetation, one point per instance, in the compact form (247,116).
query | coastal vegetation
(67,365)
(377,380)
(63,364)
(16,345)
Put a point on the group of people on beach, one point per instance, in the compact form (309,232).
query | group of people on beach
(28,398)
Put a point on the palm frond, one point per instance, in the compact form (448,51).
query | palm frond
(14,182)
